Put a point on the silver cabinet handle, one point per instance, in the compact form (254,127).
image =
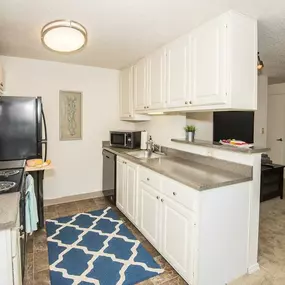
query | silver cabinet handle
(157,197)
(174,194)
(186,102)
(147,179)
(190,102)
(162,200)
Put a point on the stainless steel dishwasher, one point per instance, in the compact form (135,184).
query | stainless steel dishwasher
(109,175)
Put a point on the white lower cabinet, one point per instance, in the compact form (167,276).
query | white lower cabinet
(10,252)
(127,188)
(202,234)
(131,190)
(120,191)
(166,224)
(177,235)
(149,213)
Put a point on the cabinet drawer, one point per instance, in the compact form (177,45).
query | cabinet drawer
(150,177)
(180,193)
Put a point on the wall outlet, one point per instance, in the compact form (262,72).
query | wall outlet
(262,131)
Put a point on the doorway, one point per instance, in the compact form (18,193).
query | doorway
(276,128)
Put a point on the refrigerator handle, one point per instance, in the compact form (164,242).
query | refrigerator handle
(44,140)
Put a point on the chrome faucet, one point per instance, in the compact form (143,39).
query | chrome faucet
(149,146)
(158,149)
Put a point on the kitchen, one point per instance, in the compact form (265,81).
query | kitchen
(77,172)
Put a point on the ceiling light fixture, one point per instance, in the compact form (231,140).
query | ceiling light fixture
(260,63)
(64,36)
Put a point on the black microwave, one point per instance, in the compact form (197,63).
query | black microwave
(125,139)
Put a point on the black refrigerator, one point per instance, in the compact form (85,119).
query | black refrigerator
(23,135)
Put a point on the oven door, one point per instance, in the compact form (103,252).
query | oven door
(118,139)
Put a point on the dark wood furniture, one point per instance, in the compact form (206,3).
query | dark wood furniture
(271,185)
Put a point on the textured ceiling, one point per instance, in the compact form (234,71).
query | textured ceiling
(120,32)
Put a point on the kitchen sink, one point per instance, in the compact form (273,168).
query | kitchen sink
(143,154)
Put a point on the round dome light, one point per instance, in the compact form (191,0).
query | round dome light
(64,36)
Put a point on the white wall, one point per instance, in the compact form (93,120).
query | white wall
(276,89)
(78,164)
(204,124)
(163,128)
(260,116)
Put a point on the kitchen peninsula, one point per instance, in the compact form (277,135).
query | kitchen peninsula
(197,205)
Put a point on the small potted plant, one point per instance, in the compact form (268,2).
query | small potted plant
(190,132)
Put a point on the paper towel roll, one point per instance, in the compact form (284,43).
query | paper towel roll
(143,139)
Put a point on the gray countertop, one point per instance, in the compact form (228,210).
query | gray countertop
(223,147)
(191,173)
(9,207)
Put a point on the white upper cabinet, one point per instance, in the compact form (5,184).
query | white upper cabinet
(177,68)
(127,96)
(156,79)
(208,78)
(140,85)
(223,72)
(212,68)
(126,93)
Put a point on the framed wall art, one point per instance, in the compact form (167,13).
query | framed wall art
(70,115)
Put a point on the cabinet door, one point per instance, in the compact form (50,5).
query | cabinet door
(177,237)
(126,93)
(156,79)
(149,206)
(131,191)
(120,191)
(140,85)
(177,73)
(208,63)
(16,255)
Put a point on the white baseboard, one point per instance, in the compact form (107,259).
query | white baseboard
(73,198)
(253,268)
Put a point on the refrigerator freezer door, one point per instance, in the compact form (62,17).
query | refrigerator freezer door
(18,128)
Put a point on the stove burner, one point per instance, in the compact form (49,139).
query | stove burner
(6,185)
(7,173)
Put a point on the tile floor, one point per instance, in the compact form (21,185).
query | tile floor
(271,246)
(37,272)
(271,251)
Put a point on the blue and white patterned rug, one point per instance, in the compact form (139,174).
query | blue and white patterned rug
(96,248)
